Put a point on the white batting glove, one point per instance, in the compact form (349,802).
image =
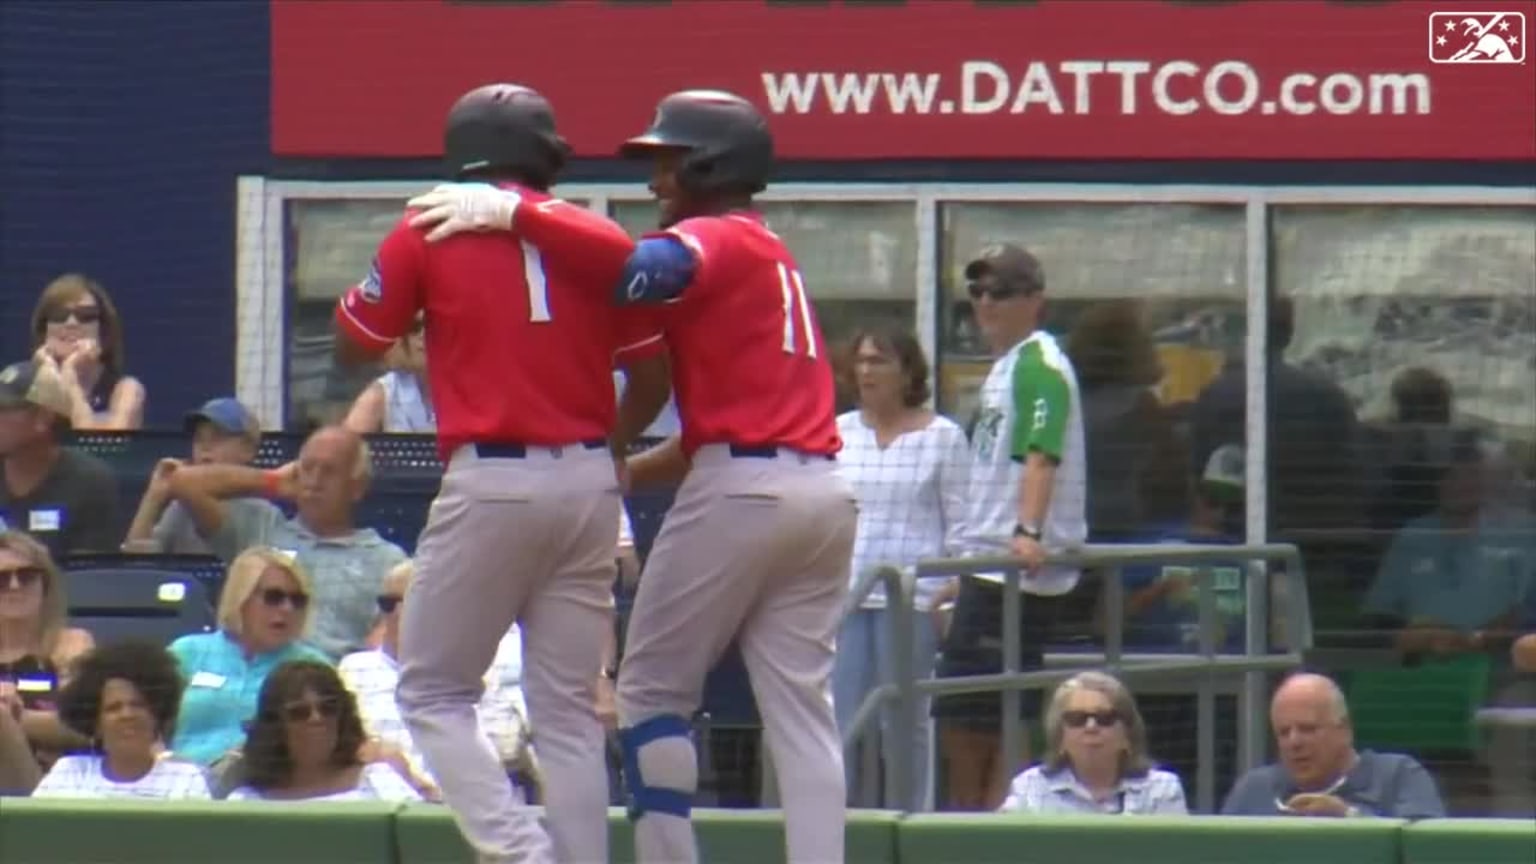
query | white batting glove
(454,207)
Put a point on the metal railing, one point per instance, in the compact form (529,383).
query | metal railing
(904,689)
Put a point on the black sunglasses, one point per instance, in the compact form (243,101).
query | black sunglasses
(275,597)
(1079,719)
(21,577)
(996,291)
(82,314)
(388,602)
(298,712)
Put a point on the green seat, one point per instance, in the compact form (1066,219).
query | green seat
(942,838)
(57,831)
(426,834)
(1459,841)
(1419,709)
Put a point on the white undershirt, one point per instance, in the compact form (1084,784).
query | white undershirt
(911,496)
(83,777)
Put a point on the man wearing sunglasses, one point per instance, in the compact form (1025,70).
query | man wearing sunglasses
(63,497)
(1027,500)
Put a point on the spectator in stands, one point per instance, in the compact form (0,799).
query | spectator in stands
(65,498)
(1137,465)
(1095,757)
(305,740)
(371,677)
(909,468)
(123,698)
(1320,773)
(1313,440)
(399,402)
(38,652)
(1421,395)
(263,612)
(224,432)
(76,331)
(1455,581)
(327,481)
(1524,653)
(1027,499)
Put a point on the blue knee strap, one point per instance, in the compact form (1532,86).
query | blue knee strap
(644,798)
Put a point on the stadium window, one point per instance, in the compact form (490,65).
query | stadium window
(859,258)
(1184,264)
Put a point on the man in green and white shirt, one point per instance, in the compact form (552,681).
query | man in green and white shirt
(1028,478)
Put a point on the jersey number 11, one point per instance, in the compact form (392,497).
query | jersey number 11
(793,289)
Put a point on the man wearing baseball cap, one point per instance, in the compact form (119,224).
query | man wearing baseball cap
(65,498)
(224,432)
(1027,501)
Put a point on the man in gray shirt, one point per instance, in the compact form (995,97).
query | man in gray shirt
(1320,773)
(223,432)
(346,563)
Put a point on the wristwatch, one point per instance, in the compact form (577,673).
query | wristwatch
(1030,531)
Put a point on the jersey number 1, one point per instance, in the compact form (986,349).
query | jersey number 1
(793,289)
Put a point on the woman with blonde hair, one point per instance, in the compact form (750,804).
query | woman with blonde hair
(262,617)
(1095,757)
(38,651)
(77,332)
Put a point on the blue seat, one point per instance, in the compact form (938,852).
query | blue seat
(138,603)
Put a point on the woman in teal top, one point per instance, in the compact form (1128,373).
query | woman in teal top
(263,611)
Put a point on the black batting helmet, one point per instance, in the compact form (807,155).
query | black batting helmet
(507,127)
(729,146)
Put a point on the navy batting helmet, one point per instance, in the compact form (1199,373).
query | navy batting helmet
(729,146)
(505,127)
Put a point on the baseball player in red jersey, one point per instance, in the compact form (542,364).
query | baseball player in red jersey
(757,544)
(520,352)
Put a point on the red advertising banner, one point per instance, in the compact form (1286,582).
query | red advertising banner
(1056,79)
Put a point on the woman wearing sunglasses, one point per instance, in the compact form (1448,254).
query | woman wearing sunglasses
(1095,757)
(37,653)
(305,743)
(75,329)
(263,611)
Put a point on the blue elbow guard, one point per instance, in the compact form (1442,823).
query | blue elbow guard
(656,272)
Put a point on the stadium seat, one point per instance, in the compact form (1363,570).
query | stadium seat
(206,569)
(1458,841)
(58,831)
(158,605)
(945,838)
(1444,695)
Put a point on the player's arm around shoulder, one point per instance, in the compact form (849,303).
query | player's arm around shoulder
(381,308)
(660,270)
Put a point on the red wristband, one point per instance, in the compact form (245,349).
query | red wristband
(271,483)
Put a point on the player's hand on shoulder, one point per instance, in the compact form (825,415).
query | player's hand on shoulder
(451,208)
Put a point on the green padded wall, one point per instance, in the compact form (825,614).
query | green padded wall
(991,839)
(53,831)
(1463,841)
(426,835)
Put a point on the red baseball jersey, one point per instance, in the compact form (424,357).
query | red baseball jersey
(520,348)
(749,364)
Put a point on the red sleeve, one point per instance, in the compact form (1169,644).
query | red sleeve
(588,245)
(639,335)
(380,309)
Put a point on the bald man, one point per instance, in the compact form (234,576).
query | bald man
(1320,773)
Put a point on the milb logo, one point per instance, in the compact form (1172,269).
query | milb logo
(1477,37)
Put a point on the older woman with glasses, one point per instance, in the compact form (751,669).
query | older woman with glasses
(306,741)
(1095,760)
(37,654)
(263,612)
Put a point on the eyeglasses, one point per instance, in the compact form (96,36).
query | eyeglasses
(82,314)
(275,597)
(298,712)
(1079,719)
(995,291)
(21,577)
(388,602)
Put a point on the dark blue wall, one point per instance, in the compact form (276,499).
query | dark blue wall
(123,125)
